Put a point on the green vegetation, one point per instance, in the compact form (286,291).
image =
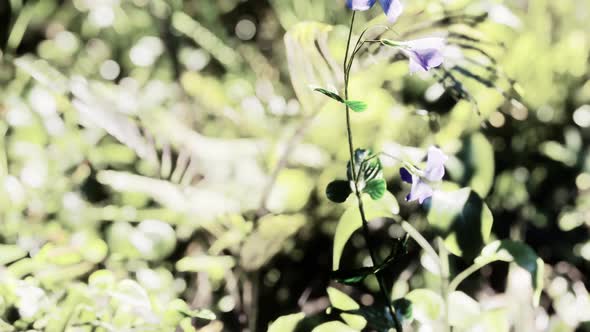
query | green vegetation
(172,166)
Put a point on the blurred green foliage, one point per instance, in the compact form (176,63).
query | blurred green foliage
(163,164)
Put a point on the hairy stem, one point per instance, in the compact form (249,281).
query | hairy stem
(383,288)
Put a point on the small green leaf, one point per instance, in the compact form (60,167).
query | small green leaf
(330,94)
(356,105)
(334,326)
(344,303)
(376,188)
(338,191)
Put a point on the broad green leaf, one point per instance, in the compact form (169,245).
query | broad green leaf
(478,155)
(463,310)
(375,188)
(10,253)
(343,302)
(519,253)
(286,323)
(334,326)
(330,94)
(356,105)
(350,221)
(426,304)
(463,218)
(338,191)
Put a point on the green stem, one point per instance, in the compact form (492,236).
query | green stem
(384,292)
(466,273)
(444,273)
(422,242)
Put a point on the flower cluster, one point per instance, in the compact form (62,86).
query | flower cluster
(424,53)
(392,8)
(421,179)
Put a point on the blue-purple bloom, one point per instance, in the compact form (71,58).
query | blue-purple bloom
(420,179)
(392,8)
(424,53)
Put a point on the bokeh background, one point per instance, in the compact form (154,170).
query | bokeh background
(163,163)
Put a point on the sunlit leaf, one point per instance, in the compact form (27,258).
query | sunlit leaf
(343,302)
(478,155)
(334,326)
(463,218)
(286,323)
(350,221)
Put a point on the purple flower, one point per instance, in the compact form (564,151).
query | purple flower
(392,8)
(420,179)
(424,53)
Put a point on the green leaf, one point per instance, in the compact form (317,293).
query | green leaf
(343,302)
(519,253)
(286,323)
(463,218)
(427,305)
(338,191)
(376,188)
(356,105)
(334,326)
(478,157)
(404,309)
(330,94)
(350,221)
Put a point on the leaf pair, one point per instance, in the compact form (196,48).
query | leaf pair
(370,180)
(355,105)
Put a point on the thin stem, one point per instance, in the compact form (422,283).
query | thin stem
(466,273)
(444,273)
(384,292)
(422,242)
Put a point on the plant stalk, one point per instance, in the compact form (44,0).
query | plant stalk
(384,292)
